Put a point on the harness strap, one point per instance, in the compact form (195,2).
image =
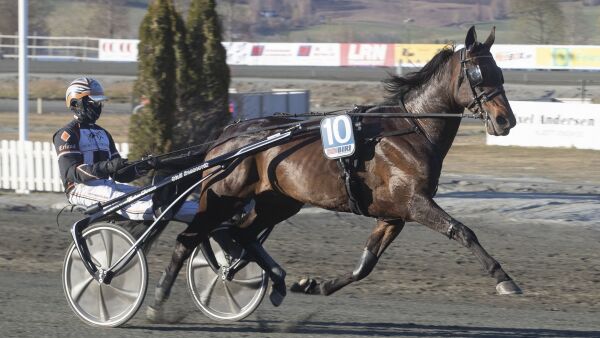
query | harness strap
(349,165)
(406,131)
(352,185)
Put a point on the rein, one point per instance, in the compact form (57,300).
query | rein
(193,150)
(388,115)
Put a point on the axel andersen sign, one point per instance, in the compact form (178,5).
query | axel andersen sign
(551,124)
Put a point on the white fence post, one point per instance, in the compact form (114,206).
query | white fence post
(33,166)
(39,166)
(14,165)
(21,174)
(29,166)
(56,182)
(4,165)
(47,165)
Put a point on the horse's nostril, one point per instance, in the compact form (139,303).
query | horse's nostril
(501,121)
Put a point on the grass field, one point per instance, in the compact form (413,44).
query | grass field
(427,22)
(42,127)
(394,21)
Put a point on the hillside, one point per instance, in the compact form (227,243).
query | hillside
(399,21)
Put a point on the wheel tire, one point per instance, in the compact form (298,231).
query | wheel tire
(98,304)
(224,300)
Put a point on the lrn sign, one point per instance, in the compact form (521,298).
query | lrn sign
(553,124)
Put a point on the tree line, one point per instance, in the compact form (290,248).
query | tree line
(545,21)
(183,77)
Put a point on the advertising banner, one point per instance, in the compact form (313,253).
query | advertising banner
(118,50)
(552,124)
(415,55)
(374,54)
(237,52)
(506,56)
(568,57)
(367,54)
(293,54)
(514,56)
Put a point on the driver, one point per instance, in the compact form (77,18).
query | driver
(89,163)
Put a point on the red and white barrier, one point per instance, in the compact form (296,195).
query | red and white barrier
(374,54)
(118,50)
(367,54)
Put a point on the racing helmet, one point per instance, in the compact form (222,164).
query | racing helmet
(85,96)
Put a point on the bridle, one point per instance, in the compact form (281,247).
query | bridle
(474,76)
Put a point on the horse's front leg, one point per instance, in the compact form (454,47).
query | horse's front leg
(380,238)
(425,211)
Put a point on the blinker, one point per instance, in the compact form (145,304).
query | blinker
(477,76)
(474,75)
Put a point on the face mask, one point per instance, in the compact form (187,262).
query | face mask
(91,110)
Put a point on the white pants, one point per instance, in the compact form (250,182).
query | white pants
(96,191)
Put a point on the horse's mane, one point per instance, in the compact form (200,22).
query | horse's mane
(398,86)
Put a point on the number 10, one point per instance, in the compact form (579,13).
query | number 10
(333,128)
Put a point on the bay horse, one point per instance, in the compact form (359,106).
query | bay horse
(398,173)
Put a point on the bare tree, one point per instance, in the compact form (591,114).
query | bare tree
(581,29)
(539,21)
(99,18)
(500,9)
(301,12)
(9,15)
(117,22)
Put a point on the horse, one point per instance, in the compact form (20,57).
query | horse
(398,172)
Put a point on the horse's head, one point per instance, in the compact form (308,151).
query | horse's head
(481,85)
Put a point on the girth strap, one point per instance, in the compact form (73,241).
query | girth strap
(352,184)
(349,165)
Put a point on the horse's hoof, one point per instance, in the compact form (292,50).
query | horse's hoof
(308,286)
(154,315)
(508,287)
(158,316)
(277,295)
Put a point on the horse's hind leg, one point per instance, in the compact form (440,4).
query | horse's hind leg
(186,242)
(268,211)
(380,238)
(428,213)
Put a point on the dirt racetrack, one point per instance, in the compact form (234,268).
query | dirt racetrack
(537,211)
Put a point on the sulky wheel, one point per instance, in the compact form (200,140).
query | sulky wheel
(218,297)
(100,304)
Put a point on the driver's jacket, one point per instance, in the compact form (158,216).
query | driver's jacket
(83,150)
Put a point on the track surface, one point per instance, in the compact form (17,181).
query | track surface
(425,285)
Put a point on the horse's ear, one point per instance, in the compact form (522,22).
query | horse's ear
(490,40)
(471,38)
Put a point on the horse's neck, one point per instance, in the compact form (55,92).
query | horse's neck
(435,98)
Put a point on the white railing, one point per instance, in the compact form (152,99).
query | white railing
(51,47)
(33,166)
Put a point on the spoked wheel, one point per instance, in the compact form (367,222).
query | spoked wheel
(100,304)
(217,297)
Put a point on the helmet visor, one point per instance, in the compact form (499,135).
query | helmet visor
(98,98)
(89,102)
